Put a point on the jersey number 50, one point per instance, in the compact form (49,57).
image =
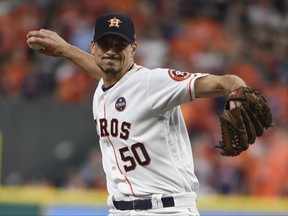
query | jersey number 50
(140,155)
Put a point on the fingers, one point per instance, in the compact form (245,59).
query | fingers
(38,35)
(35,37)
(41,37)
(52,43)
(37,40)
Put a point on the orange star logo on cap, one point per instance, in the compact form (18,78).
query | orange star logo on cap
(114,22)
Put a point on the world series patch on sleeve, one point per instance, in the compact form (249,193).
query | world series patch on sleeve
(241,125)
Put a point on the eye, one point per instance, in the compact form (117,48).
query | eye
(118,45)
(103,44)
(121,45)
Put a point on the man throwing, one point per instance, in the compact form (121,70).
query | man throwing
(147,156)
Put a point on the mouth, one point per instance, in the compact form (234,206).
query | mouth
(111,58)
(110,61)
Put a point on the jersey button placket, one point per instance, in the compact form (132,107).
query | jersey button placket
(101,102)
(106,143)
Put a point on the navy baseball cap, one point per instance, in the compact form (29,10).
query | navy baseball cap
(114,24)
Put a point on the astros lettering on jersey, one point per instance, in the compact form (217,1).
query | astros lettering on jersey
(143,137)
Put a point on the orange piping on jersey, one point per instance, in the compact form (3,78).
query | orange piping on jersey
(190,90)
(116,159)
(130,185)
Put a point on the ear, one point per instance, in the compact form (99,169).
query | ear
(92,45)
(134,48)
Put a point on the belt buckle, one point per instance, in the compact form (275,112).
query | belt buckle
(133,204)
(140,204)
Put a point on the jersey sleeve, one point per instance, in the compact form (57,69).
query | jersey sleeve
(170,88)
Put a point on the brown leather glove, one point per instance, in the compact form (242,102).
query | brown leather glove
(241,125)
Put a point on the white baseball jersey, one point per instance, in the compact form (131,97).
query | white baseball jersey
(143,137)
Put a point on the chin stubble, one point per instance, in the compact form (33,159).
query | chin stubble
(110,70)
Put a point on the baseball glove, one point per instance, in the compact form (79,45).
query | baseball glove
(241,125)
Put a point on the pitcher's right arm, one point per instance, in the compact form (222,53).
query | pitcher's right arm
(54,45)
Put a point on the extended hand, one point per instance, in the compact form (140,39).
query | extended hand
(52,44)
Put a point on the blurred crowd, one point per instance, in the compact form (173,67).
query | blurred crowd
(247,38)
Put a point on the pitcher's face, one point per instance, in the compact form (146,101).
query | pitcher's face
(113,55)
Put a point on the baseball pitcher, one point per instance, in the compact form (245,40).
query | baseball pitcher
(147,155)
